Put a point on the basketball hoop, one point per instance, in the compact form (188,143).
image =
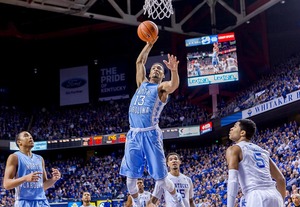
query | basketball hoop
(158,8)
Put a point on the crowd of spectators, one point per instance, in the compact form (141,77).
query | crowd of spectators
(205,165)
(284,79)
(112,117)
(90,120)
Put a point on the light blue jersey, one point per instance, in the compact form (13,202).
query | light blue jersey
(215,59)
(30,191)
(144,141)
(145,106)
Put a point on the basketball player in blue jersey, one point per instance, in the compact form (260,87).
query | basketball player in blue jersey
(144,196)
(215,58)
(183,183)
(25,171)
(144,141)
(251,166)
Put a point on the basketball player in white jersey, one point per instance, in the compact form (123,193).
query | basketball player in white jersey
(196,68)
(223,64)
(231,64)
(86,200)
(183,184)
(144,196)
(251,166)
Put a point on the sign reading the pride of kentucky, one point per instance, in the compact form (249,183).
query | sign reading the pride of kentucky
(113,82)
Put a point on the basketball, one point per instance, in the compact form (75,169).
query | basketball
(147,31)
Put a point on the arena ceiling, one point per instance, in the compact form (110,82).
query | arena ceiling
(51,19)
(47,18)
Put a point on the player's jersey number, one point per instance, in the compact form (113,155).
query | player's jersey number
(139,100)
(260,162)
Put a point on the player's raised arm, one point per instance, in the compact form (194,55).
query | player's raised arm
(141,61)
(170,86)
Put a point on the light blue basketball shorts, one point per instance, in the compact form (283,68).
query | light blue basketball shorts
(144,146)
(29,203)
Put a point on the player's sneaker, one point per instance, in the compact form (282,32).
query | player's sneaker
(178,201)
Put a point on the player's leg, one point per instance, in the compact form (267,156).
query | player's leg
(157,167)
(133,161)
(132,165)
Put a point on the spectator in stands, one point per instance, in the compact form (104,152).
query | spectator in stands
(296,199)
(107,203)
(25,171)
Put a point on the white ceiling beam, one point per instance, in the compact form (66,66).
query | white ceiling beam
(80,10)
(242,20)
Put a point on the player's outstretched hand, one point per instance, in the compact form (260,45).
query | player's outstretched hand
(55,174)
(172,62)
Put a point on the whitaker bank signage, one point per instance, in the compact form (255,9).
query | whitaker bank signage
(273,104)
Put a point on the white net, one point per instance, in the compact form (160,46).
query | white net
(158,8)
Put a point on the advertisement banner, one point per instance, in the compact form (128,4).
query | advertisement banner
(273,104)
(207,127)
(101,203)
(42,145)
(189,131)
(74,86)
(97,140)
(74,204)
(211,79)
(113,82)
(122,138)
(170,133)
(226,37)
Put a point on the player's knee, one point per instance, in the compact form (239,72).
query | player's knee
(166,184)
(131,185)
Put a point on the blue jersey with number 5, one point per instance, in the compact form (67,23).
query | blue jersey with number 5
(254,168)
(145,106)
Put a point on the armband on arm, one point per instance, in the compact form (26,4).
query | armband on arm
(232,187)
